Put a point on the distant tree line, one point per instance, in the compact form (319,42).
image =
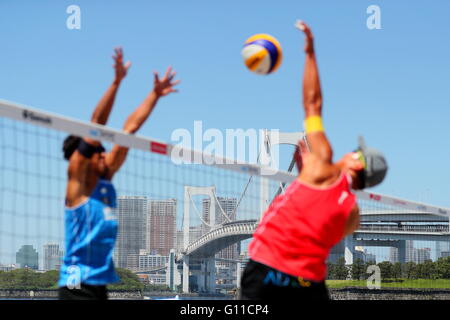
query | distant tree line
(439,269)
(29,279)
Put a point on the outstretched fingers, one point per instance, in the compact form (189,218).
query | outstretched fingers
(118,54)
(165,85)
(156,76)
(172,75)
(167,74)
(304,27)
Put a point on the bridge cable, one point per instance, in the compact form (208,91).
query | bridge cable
(197,211)
(221,209)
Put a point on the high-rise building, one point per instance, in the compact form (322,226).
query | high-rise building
(225,211)
(224,207)
(27,257)
(423,255)
(442,247)
(411,253)
(179,240)
(393,255)
(161,226)
(131,214)
(52,256)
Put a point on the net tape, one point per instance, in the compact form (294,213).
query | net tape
(53,121)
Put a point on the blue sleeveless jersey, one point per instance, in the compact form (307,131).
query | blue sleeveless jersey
(90,234)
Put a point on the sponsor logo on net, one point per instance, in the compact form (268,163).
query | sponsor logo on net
(375,197)
(102,134)
(158,147)
(250,169)
(33,116)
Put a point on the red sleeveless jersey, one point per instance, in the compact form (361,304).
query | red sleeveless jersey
(301,226)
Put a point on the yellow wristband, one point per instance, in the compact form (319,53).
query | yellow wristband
(313,124)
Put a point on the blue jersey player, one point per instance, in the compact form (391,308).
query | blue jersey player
(90,225)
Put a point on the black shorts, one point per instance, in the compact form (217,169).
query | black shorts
(260,282)
(86,292)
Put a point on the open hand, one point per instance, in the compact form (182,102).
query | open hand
(120,68)
(165,85)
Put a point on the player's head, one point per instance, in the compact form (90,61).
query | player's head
(366,166)
(97,162)
(70,145)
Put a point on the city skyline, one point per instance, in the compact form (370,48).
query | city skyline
(413,254)
(434,249)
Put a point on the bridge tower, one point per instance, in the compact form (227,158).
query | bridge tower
(270,139)
(209,266)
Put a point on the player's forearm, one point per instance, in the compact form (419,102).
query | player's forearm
(141,114)
(312,103)
(104,106)
(312,94)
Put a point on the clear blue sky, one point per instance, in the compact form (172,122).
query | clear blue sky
(391,85)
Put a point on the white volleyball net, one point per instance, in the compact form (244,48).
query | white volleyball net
(207,210)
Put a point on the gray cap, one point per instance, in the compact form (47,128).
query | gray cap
(375,164)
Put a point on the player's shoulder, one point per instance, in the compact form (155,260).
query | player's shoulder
(318,172)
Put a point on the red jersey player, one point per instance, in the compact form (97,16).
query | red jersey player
(290,247)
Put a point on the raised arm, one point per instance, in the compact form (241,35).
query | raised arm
(161,87)
(77,186)
(312,101)
(104,106)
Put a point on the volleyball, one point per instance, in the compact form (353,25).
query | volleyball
(262,53)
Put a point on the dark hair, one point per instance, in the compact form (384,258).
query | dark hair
(70,145)
(361,176)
